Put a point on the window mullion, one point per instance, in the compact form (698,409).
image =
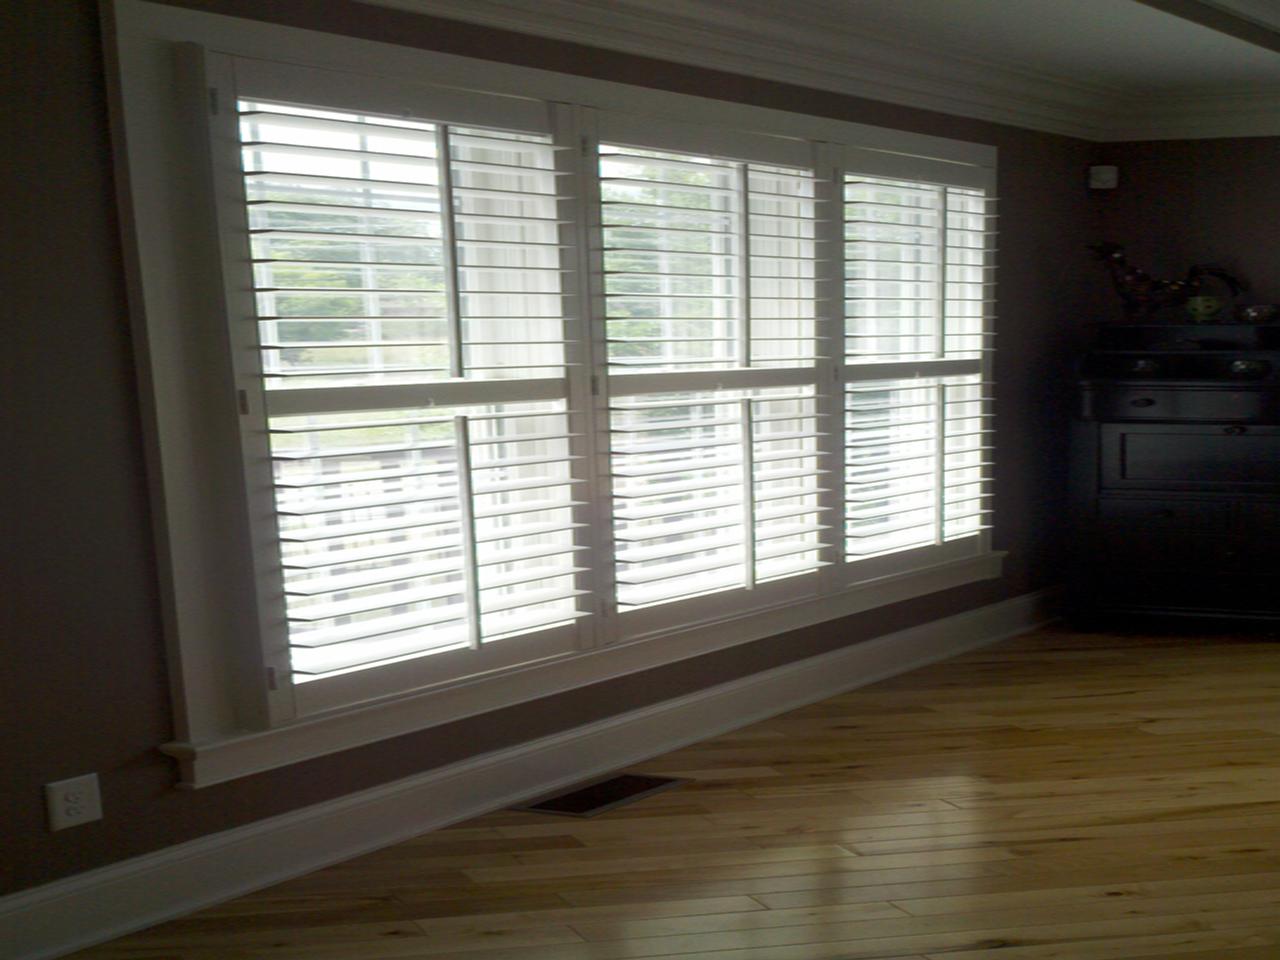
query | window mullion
(449,252)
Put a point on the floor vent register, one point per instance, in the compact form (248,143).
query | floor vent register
(595,798)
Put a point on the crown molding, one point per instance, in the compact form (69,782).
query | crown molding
(1265,13)
(1224,114)
(1253,21)
(803,53)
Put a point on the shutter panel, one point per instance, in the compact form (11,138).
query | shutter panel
(401,269)
(892,463)
(402,536)
(708,264)
(967,457)
(917,454)
(714,490)
(893,234)
(377,262)
(968,273)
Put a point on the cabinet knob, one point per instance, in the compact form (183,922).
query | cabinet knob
(1142,402)
(1235,431)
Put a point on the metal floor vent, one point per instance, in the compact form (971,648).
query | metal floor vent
(594,798)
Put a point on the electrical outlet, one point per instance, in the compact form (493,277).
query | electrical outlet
(73,802)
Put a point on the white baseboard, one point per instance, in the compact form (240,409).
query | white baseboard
(99,905)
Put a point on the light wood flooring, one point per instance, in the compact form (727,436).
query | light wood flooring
(1059,796)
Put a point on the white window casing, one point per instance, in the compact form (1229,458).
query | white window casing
(470,384)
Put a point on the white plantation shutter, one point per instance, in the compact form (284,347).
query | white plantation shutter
(431,490)
(917,403)
(714,415)
(411,351)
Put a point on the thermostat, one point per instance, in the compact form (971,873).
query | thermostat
(1104,178)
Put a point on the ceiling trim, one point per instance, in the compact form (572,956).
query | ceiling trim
(798,53)
(1265,12)
(1247,20)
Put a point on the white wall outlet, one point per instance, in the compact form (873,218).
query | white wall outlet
(73,802)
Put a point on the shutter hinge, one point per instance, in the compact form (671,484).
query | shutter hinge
(271,679)
(595,385)
(585,146)
(213,101)
(242,399)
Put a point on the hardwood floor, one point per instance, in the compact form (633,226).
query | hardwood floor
(1059,796)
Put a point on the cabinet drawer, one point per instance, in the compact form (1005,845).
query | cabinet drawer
(1115,401)
(1255,539)
(1225,458)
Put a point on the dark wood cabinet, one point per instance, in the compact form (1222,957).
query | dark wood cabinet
(1176,474)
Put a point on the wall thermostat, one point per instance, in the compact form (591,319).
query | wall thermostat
(1104,178)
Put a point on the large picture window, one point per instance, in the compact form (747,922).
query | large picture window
(508,380)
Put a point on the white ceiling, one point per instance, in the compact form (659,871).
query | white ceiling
(1101,69)
(1115,43)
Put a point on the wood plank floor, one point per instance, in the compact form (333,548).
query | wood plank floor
(1060,796)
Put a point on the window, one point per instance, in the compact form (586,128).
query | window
(917,443)
(496,385)
(407,342)
(707,267)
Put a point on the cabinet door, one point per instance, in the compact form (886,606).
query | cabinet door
(1139,536)
(1255,539)
(1227,459)
(1119,401)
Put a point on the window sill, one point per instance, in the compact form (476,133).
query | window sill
(210,762)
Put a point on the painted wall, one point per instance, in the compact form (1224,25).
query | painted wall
(1183,202)
(83,678)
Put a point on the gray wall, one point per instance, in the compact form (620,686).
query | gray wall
(1182,202)
(83,671)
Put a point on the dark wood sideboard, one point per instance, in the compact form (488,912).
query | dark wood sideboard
(1175,476)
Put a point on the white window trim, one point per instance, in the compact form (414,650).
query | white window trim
(194,453)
